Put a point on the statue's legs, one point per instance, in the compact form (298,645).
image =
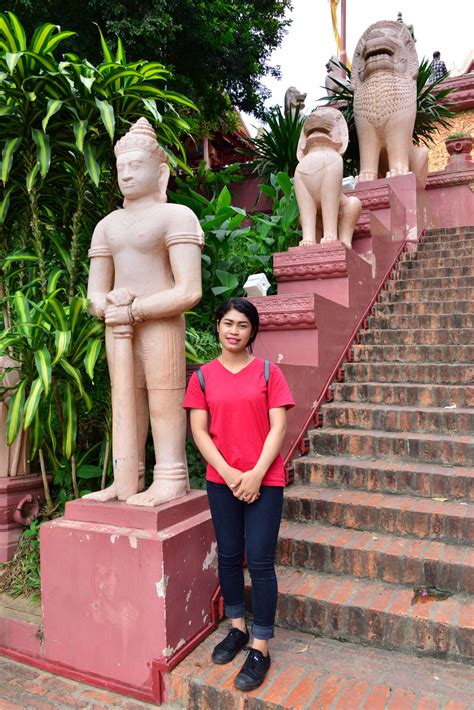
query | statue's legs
(331,190)
(369,150)
(419,163)
(349,212)
(168,425)
(160,350)
(398,142)
(307,207)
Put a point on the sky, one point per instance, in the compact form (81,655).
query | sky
(302,56)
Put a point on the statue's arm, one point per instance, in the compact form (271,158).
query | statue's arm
(185,261)
(101,272)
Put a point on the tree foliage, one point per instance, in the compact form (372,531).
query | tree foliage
(215,47)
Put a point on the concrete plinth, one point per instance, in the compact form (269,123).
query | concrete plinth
(14,492)
(127,588)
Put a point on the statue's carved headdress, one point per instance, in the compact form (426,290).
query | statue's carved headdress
(141,136)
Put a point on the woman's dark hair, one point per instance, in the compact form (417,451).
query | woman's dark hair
(244,306)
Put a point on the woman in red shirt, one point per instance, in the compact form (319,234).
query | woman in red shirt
(238,420)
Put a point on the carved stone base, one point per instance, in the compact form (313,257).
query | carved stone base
(124,588)
(13,492)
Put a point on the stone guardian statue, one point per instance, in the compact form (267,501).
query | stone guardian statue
(326,214)
(145,273)
(384,71)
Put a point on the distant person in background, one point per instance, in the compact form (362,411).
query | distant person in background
(438,68)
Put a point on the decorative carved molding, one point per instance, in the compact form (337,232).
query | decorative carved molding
(373,198)
(363,226)
(462,97)
(294,311)
(447,179)
(321,261)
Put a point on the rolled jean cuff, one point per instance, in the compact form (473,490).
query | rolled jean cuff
(263,633)
(234,611)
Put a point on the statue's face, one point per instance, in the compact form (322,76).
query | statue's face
(138,174)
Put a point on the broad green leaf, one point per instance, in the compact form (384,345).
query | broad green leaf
(57,39)
(11,59)
(13,42)
(150,104)
(45,62)
(227,280)
(53,279)
(23,312)
(120,53)
(41,37)
(19,256)
(94,348)
(57,312)
(53,107)
(43,150)
(69,421)
(31,177)
(119,73)
(43,366)
(89,330)
(87,81)
(62,339)
(65,256)
(225,198)
(32,402)
(49,425)
(105,48)
(15,412)
(75,309)
(80,130)
(6,110)
(107,115)
(89,471)
(5,204)
(73,372)
(18,29)
(36,433)
(93,167)
(11,145)
(284,182)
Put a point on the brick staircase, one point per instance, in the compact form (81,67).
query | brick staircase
(384,501)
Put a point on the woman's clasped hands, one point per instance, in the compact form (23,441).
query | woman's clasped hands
(244,485)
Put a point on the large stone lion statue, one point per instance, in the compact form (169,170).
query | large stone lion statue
(326,214)
(384,72)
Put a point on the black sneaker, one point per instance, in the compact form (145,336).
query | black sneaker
(254,670)
(226,650)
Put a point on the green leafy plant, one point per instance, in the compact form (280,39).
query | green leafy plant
(275,148)
(22,574)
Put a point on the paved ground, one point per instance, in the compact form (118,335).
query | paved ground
(25,688)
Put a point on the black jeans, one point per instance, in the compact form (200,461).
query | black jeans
(254,529)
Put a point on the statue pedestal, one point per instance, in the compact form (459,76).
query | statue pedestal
(127,590)
(14,491)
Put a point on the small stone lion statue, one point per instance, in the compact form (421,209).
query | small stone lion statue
(334,71)
(293,99)
(326,214)
(384,72)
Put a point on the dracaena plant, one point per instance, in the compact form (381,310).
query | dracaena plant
(59,117)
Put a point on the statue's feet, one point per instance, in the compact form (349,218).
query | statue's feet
(109,493)
(160,491)
(306,243)
(347,243)
(398,171)
(366,177)
(328,240)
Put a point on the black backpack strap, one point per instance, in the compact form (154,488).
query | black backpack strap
(201,379)
(266,370)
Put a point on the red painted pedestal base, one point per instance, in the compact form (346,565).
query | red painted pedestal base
(13,492)
(126,589)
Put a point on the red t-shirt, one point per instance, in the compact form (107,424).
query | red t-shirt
(238,405)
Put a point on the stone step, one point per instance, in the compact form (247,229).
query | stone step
(384,476)
(377,613)
(417,336)
(413,295)
(416,321)
(448,307)
(414,353)
(443,449)
(435,238)
(390,558)
(450,521)
(453,251)
(412,270)
(427,395)
(312,673)
(402,418)
(435,373)
(440,231)
(445,282)
(424,260)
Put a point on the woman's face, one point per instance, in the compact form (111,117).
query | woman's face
(234,331)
